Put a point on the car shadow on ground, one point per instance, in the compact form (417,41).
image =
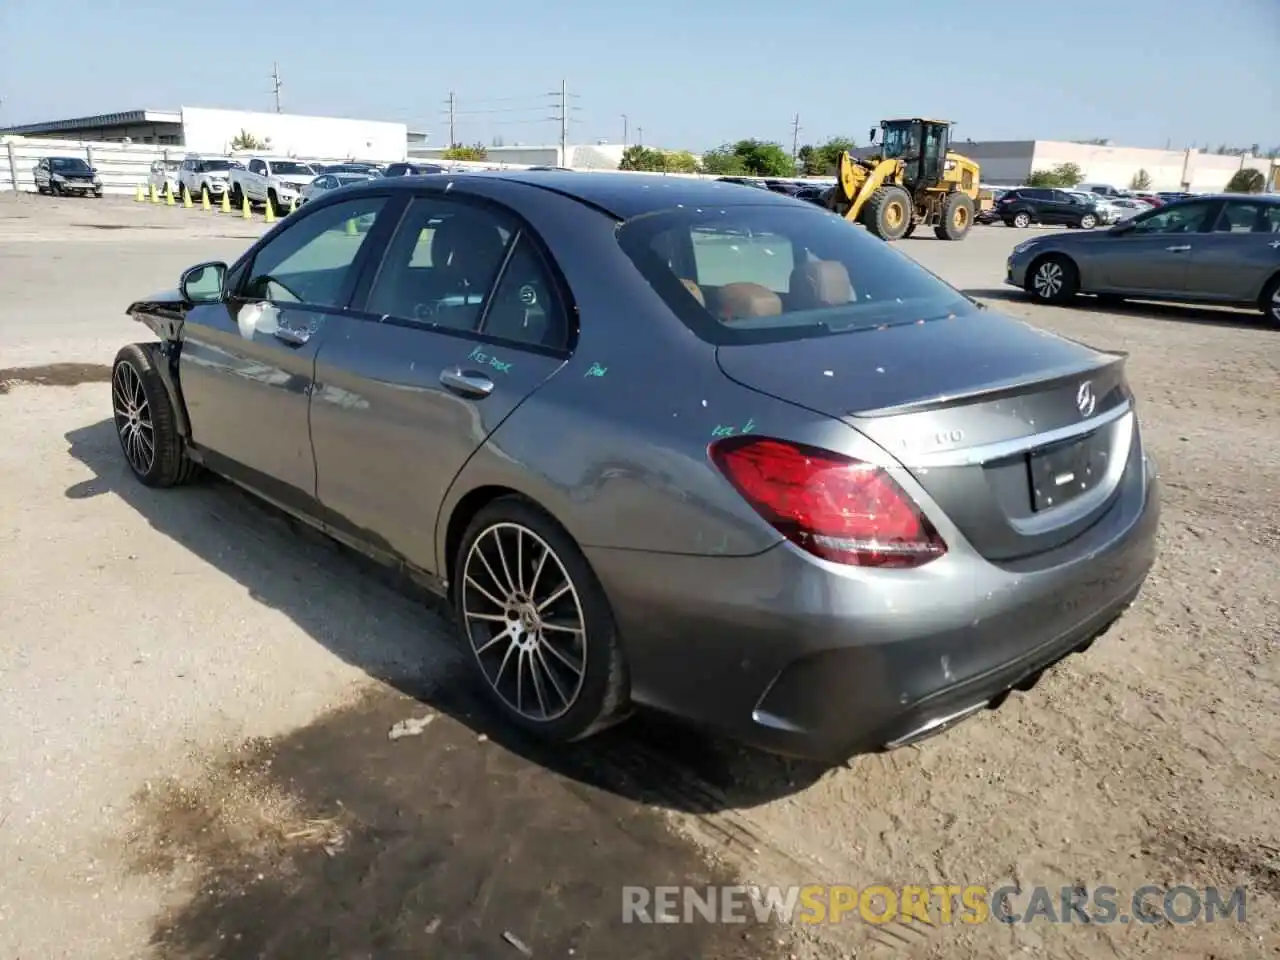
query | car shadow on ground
(461,838)
(287,566)
(1181,313)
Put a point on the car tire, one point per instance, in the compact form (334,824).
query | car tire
(1269,302)
(957,218)
(1022,220)
(274,200)
(237,198)
(888,212)
(98,194)
(1088,221)
(1053,279)
(142,412)
(55,189)
(911,228)
(490,597)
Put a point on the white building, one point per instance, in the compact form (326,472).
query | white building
(202,130)
(1011,162)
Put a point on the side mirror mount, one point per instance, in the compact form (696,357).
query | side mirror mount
(203,283)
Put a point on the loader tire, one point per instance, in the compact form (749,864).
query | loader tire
(888,213)
(957,218)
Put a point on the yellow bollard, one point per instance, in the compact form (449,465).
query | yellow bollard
(293,205)
(246,211)
(226,201)
(271,211)
(186,197)
(204,199)
(155,198)
(351,228)
(168,195)
(139,195)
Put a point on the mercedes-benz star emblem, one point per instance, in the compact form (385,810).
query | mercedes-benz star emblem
(528,295)
(1085,400)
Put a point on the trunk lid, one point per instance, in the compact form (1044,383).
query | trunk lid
(1021,437)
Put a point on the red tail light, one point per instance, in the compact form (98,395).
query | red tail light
(833,506)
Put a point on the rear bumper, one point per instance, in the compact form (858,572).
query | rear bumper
(799,657)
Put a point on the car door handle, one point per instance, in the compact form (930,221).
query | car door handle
(294,338)
(1179,249)
(466,383)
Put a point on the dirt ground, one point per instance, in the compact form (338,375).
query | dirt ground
(196,698)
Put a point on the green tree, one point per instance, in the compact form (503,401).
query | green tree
(823,159)
(476,151)
(765,159)
(681,161)
(723,162)
(244,140)
(1141,181)
(1063,175)
(641,158)
(1246,180)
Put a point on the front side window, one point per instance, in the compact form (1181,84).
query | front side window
(755,274)
(1178,218)
(311,260)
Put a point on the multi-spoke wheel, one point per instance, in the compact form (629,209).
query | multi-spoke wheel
(1053,279)
(537,623)
(1269,302)
(145,420)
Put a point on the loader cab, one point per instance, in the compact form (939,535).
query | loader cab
(920,144)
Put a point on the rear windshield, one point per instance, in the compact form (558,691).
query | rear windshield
(768,274)
(290,167)
(209,166)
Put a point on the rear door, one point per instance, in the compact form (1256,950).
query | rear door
(247,364)
(460,322)
(1240,253)
(1154,257)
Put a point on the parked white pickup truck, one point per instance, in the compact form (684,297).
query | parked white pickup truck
(278,179)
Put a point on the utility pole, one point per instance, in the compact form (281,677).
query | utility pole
(564,124)
(276,83)
(453,140)
(624,131)
(795,138)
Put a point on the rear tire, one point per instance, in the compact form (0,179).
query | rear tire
(146,424)
(957,218)
(1053,279)
(1269,302)
(888,213)
(274,201)
(561,613)
(911,228)
(237,198)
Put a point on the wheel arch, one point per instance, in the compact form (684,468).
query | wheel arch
(1263,290)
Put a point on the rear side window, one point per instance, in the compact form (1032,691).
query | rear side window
(765,274)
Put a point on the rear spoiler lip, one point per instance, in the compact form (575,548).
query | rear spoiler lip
(997,390)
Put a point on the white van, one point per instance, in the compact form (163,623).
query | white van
(1102,189)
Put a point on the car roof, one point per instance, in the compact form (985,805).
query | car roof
(627,195)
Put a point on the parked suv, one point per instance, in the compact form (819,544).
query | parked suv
(1028,205)
(213,174)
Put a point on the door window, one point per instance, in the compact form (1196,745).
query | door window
(310,261)
(441,264)
(1181,218)
(1241,217)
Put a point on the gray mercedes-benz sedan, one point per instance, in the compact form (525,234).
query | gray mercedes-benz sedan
(1222,250)
(664,443)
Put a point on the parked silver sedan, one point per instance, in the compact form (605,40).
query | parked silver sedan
(332,181)
(1222,249)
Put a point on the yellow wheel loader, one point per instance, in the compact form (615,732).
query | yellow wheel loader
(913,179)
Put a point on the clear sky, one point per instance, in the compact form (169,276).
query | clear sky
(692,74)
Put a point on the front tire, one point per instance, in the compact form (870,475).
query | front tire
(537,623)
(957,218)
(1022,220)
(888,213)
(1088,221)
(146,424)
(1053,279)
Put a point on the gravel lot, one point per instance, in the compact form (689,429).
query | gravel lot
(195,697)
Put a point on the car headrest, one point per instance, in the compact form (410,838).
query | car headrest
(738,301)
(696,290)
(820,283)
(481,241)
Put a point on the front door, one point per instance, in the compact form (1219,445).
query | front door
(1154,256)
(247,364)
(462,322)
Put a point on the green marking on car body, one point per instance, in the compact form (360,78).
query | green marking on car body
(479,356)
(596,371)
(727,431)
